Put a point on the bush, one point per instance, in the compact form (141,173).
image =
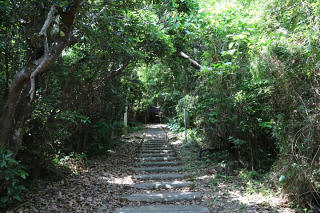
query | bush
(11,175)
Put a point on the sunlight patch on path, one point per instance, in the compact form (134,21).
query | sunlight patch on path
(121,180)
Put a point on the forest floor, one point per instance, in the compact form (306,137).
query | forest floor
(223,190)
(93,186)
(98,185)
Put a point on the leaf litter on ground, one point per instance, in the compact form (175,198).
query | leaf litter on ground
(94,187)
(225,193)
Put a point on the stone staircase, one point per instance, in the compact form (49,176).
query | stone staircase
(160,178)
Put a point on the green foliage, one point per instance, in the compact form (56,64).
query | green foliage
(11,175)
(256,93)
(135,126)
(256,96)
(175,126)
(104,138)
(254,181)
(69,160)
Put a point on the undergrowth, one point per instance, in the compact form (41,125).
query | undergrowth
(12,176)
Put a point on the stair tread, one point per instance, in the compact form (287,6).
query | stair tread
(160,176)
(164,196)
(162,185)
(163,208)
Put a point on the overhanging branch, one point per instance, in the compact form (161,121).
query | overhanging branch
(192,62)
(112,73)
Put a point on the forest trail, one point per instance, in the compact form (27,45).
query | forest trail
(143,174)
(160,179)
(239,78)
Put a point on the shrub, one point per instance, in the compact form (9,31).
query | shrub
(11,175)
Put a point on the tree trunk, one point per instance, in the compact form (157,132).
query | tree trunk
(14,114)
(10,108)
(6,61)
(125,120)
(251,155)
(22,111)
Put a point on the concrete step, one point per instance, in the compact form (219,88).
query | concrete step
(156,139)
(164,196)
(163,208)
(157,155)
(160,176)
(162,163)
(155,143)
(156,146)
(158,169)
(162,185)
(158,158)
(157,151)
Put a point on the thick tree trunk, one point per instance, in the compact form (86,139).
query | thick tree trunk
(22,111)
(14,113)
(10,108)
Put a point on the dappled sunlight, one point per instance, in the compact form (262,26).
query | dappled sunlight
(153,137)
(229,196)
(155,126)
(229,200)
(177,142)
(256,198)
(227,193)
(203,177)
(120,180)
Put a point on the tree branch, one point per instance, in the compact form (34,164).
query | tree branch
(42,64)
(192,62)
(98,14)
(48,21)
(43,32)
(112,73)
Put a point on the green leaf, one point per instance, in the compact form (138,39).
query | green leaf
(62,34)
(13,161)
(8,155)
(4,199)
(21,188)
(3,164)
(17,197)
(231,52)
(23,174)
(231,45)
(282,178)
